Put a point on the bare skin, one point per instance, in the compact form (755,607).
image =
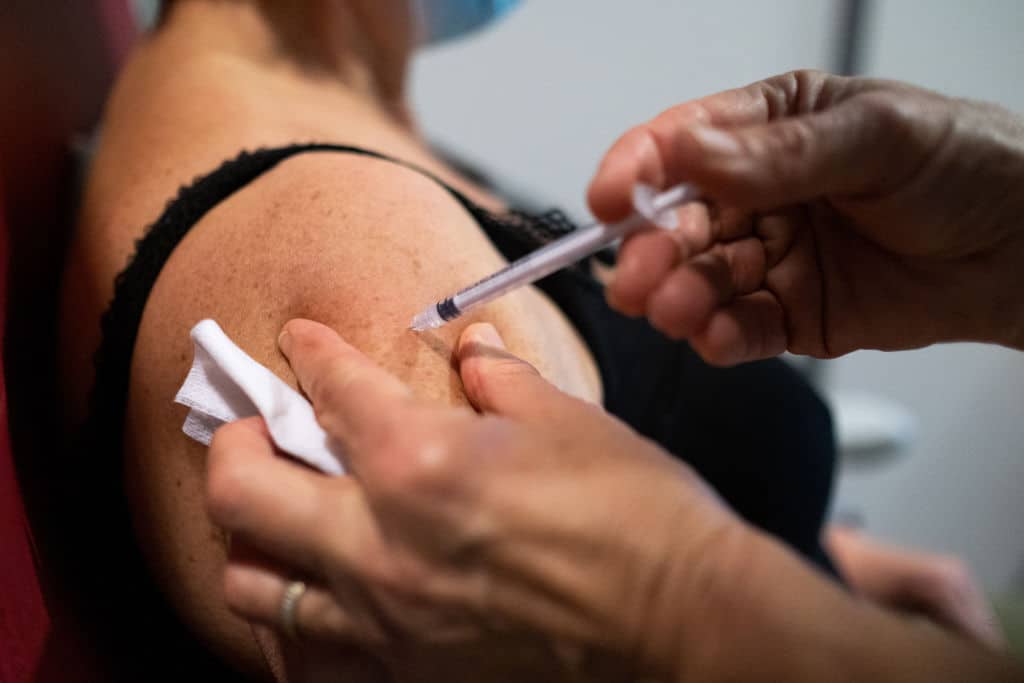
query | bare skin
(475,520)
(842,213)
(936,587)
(357,243)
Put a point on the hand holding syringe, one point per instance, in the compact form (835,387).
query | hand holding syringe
(649,208)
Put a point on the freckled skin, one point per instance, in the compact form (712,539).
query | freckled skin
(356,243)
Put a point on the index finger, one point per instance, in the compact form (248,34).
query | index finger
(354,398)
(660,153)
(277,505)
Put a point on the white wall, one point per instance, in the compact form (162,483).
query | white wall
(970,49)
(960,487)
(541,96)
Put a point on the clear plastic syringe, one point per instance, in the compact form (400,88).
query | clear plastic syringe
(650,207)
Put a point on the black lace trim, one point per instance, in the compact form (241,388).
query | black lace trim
(104,529)
(516,232)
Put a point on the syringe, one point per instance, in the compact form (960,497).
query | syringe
(650,207)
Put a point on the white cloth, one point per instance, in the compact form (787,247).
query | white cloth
(225,384)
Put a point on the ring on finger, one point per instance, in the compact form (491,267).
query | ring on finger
(293,593)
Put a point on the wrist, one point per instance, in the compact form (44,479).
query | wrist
(768,616)
(693,618)
(686,580)
(745,621)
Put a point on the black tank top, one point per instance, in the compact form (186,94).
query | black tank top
(757,433)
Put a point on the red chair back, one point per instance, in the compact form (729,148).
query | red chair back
(59,61)
(23,618)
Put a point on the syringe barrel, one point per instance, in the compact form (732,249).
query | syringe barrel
(546,260)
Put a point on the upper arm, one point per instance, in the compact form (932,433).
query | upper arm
(355,243)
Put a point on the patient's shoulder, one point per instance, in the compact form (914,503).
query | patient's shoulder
(336,238)
(356,242)
(360,244)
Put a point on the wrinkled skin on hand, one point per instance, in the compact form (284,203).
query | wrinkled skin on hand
(538,514)
(840,213)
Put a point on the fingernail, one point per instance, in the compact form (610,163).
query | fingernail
(715,141)
(284,340)
(487,334)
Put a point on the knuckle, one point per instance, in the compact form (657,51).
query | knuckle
(503,369)
(413,462)
(777,93)
(226,492)
(809,76)
(793,92)
(429,466)
(398,575)
(795,140)
(665,320)
(490,380)
(908,126)
(885,110)
(809,83)
(894,117)
(668,313)
(238,590)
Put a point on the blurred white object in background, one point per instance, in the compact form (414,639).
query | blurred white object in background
(870,427)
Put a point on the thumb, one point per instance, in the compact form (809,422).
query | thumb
(853,148)
(499,382)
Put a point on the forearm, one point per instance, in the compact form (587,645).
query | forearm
(776,619)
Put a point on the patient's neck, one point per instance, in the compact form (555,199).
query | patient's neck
(362,47)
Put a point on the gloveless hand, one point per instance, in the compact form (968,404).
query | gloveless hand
(541,515)
(842,213)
